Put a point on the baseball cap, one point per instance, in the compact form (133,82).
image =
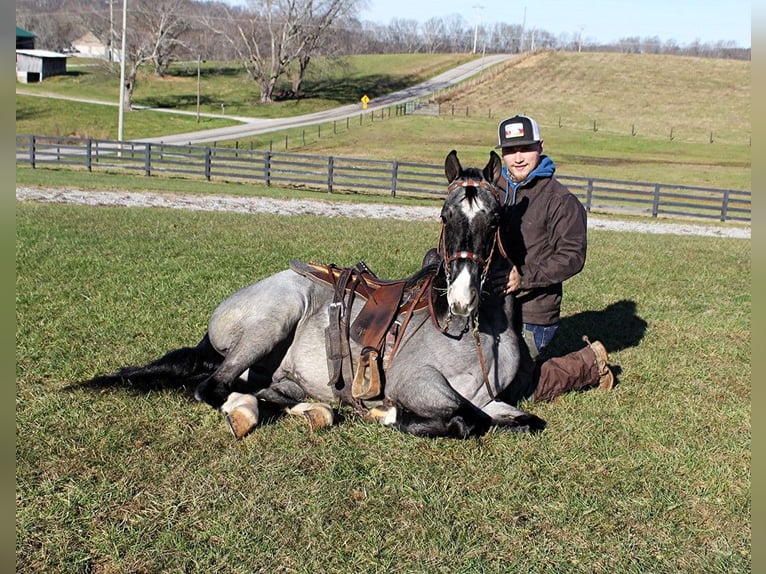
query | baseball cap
(518,130)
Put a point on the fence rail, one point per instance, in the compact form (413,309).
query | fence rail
(344,174)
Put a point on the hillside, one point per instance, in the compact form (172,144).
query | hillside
(670,119)
(651,93)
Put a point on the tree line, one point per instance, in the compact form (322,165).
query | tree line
(274,40)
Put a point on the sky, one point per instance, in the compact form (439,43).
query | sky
(684,21)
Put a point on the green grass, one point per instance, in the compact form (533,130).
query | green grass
(624,94)
(651,477)
(330,82)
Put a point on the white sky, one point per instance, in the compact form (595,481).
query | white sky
(599,20)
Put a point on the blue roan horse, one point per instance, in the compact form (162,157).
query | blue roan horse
(448,350)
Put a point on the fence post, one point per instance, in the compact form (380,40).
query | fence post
(208,156)
(656,201)
(148,159)
(88,154)
(330,172)
(725,205)
(32,150)
(267,168)
(394,177)
(589,195)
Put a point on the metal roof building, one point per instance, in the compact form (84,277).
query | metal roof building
(36,65)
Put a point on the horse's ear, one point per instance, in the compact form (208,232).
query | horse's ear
(493,171)
(452,167)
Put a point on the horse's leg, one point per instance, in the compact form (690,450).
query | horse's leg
(463,421)
(255,326)
(287,396)
(425,404)
(215,389)
(508,417)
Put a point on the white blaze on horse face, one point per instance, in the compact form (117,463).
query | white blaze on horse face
(461,295)
(471,208)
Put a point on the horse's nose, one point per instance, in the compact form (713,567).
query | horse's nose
(462,309)
(462,295)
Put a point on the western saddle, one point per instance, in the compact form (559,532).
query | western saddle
(377,328)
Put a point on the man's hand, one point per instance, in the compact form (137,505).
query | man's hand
(514,281)
(506,282)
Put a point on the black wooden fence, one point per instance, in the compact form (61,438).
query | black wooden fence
(343,174)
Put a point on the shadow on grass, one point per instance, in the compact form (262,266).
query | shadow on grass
(345,91)
(617,326)
(349,90)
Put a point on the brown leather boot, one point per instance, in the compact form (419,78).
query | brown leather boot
(605,375)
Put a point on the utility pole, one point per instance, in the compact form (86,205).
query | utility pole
(476,7)
(523,27)
(111,31)
(199,61)
(121,116)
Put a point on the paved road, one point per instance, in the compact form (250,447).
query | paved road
(255,126)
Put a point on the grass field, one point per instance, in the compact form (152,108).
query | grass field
(651,477)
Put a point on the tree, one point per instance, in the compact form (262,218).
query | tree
(434,34)
(318,19)
(270,36)
(154,34)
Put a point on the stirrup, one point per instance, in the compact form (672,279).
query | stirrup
(367,383)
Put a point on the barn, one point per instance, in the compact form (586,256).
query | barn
(25,40)
(36,65)
(89,46)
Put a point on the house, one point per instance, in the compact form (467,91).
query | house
(89,46)
(36,65)
(25,40)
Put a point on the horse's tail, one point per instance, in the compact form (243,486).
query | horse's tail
(180,369)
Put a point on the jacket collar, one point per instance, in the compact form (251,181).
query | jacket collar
(546,168)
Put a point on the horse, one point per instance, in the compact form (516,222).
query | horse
(437,366)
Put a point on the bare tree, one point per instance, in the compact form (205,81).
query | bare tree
(404,34)
(317,19)
(459,32)
(270,36)
(55,22)
(434,35)
(154,35)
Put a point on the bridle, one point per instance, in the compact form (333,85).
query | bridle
(449,258)
(484,262)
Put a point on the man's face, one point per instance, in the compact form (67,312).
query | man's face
(522,160)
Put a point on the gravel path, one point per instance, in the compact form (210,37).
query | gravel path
(327,209)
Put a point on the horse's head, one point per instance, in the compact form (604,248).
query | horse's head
(470,218)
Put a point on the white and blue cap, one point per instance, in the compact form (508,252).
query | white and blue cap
(518,130)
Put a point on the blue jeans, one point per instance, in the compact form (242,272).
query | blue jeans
(537,337)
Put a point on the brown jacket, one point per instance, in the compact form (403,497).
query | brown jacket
(545,235)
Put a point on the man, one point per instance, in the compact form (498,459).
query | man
(545,236)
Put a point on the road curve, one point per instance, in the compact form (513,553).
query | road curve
(255,126)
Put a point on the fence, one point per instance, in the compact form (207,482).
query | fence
(342,174)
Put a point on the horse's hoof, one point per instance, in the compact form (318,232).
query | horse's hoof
(318,415)
(385,415)
(241,414)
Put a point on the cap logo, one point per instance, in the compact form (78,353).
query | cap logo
(514,130)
